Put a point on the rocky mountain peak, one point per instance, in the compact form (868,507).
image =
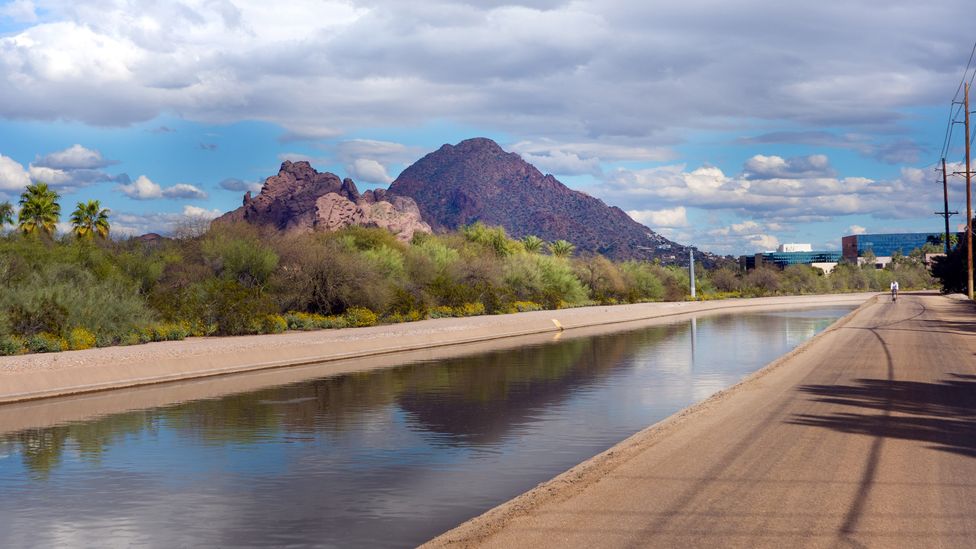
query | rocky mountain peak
(476,180)
(302,199)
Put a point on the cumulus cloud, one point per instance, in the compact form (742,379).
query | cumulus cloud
(74,157)
(144,188)
(20,10)
(194,211)
(669,217)
(584,158)
(370,160)
(13,176)
(239,185)
(368,171)
(749,236)
(555,69)
(803,196)
(776,167)
(856,229)
(133,224)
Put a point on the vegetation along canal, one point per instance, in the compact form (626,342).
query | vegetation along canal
(386,458)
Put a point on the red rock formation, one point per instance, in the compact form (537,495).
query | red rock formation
(302,199)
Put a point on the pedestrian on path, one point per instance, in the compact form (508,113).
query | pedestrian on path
(894,291)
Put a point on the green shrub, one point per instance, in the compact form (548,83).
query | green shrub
(360,317)
(44,342)
(273,324)
(469,309)
(442,311)
(12,345)
(80,338)
(525,306)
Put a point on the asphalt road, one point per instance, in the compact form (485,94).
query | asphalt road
(867,438)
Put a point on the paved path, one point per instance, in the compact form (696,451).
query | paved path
(866,438)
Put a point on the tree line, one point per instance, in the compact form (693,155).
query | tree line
(84,289)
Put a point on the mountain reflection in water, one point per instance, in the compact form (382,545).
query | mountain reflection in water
(381,458)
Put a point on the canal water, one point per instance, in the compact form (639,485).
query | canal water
(386,458)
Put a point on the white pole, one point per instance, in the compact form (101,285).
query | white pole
(691,267)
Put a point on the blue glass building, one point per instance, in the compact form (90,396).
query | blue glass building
(885,245)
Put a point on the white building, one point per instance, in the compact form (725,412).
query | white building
(793,247)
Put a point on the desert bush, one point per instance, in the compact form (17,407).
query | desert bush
(80,339)
(44,342)
(233,308)
(725,280)
(273,324)
(762,281)
(525,306)
(492,238)
(642,284)
(603,278)
(58,297)
(360,317)
(235,252)
(12,345)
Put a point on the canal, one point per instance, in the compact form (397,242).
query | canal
(384,458)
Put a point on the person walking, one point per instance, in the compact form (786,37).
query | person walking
(894,291)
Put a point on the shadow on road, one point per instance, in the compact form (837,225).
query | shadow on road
(942,414)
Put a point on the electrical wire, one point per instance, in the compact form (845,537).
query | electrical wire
(957,106)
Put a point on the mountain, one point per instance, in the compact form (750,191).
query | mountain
(476,180)
(302,199)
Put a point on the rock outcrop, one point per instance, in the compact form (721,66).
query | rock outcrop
(301,199)
(476,180)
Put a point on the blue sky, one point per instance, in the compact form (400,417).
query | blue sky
(729,126)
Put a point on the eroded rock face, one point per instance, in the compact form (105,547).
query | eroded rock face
(301,199)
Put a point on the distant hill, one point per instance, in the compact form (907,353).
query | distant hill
(302,199)
(476,180)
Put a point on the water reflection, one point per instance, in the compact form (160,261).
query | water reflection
(388,457)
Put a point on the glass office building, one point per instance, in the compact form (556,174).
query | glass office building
(885,245)
(782,259)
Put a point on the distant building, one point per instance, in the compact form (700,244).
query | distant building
(792,247)
(822,259)
(883,246)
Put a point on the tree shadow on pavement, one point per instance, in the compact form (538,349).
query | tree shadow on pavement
(942,414)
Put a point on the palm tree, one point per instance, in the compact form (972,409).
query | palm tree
(6,214)
(39,209)
(532,244)
(90,219)
(561,248)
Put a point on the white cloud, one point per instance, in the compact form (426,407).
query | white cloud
(239,185)
(13,177)
(776,167)
(184,190)
(144,188)
(672,217)
(553,69)
(856,229)
(52,176)
(20,10)
(194,211)
(298,157)
(795,198)
(764,242)
(74,157)
(368,171)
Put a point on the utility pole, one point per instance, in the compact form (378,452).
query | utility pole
(945,211)
(691,267)
(969,208)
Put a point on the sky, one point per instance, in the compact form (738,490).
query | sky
(730,126)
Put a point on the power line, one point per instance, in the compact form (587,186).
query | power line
(955,106)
